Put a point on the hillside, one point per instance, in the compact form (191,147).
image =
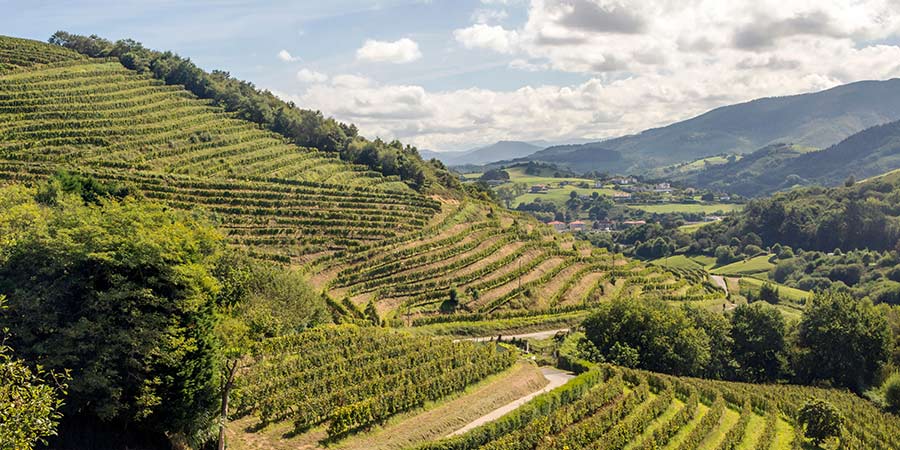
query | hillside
(861,216)
(816,120)
(608,407)
(389,261)
(870,152)
(366,236)
(98,118)
(499,151)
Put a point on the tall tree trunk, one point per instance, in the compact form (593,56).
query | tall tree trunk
(231,370)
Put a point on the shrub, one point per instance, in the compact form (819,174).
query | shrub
(891,389)
(820,420)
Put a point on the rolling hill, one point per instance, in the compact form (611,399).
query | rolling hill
(499,151)
(871,152)
(816,120)
(363,238)
(362,235)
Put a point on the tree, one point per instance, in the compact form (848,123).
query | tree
(664,338)
(842,340)
(724,255)
(372,313)
(891,390)
(758,332)
(820,420)
(234,335)
(122,293)
(769,293)
(29,401)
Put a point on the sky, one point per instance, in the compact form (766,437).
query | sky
(457,74)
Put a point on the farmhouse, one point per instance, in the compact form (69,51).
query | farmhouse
(539,189)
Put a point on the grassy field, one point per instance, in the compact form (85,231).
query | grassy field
(756,265)
(692,227)
(518,175)
(793,294)
(559,195)
(556,194)
(704,208)
(678,261)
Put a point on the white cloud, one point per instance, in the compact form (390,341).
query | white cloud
(643,63)
(491,37)
(286,56)
(401,51)
(311,76)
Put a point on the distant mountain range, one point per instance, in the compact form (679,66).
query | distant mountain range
(502,150)
(814,120)
(871,152)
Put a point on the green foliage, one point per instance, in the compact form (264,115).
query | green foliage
(29,403)
(664,338)
(372,314)
(769,293)
(351,377)
(88,188)
(891,392)
(843,340)
(305,128)
(122,293)
(820,420)
(30,400)
(758,332)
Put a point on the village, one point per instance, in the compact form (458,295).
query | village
(600,203)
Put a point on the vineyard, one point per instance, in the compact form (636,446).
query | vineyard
(375,238)
(617,408)
(349,377)
(59,111)
(494,261)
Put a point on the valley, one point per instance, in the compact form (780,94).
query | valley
(187,260)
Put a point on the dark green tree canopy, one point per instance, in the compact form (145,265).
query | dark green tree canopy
(758,331)
(843,340)
(121,293)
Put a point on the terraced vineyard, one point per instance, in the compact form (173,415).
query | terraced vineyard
(495,261)
(616,408)
(349,377)
(377,239)
(60,111)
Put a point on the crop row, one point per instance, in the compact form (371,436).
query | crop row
(351,377)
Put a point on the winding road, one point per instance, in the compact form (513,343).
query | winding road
(556,379)
(536,335)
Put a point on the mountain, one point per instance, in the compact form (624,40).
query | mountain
(502,150)
(871,152)
(816,120)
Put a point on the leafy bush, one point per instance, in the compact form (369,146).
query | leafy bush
(820,420)
(891,390)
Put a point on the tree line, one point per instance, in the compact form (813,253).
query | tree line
(303,127)
(840,341)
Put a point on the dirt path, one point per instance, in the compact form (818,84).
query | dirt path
(720,281)
(556,377)
(536,335)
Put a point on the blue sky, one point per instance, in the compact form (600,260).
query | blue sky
(453,74)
